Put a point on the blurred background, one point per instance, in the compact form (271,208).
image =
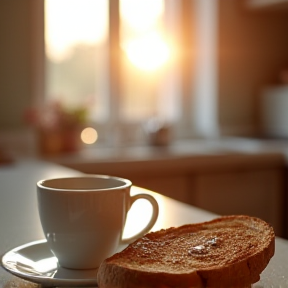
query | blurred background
(197,66)
(185,97)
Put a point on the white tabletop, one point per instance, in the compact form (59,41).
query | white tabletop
(19,221)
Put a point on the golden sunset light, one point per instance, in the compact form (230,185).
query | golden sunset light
(148,53)
(141,15)
(70,22)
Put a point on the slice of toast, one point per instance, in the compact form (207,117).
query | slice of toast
(230,251)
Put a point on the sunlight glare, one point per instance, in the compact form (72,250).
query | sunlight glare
(141,14)
(68,22)
(149,52)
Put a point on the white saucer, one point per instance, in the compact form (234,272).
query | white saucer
(35,262)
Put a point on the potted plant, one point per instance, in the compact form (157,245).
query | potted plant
(58,128)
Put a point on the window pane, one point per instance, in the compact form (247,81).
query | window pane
(148,61)
(76,37)
(77,58)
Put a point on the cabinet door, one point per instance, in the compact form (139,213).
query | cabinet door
(255,193)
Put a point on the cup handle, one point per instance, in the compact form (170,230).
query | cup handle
(152,221)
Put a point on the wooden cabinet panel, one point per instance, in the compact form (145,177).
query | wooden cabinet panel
(235,183)
(256,193)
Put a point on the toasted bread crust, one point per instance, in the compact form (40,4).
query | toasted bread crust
(229,251)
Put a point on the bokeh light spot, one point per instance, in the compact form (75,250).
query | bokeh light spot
(89,135)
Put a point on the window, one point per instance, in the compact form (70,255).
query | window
(149,55)
(76,54)
(129,61)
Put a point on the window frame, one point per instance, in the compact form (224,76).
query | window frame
(187,126)
(182,128)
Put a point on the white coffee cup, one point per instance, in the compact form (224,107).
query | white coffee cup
(83,217)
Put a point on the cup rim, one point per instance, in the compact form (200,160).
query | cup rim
(126,183)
